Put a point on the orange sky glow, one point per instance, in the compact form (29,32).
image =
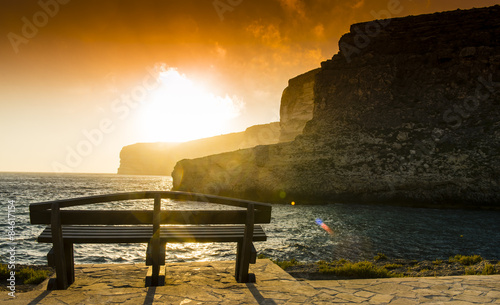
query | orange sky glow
(80,79)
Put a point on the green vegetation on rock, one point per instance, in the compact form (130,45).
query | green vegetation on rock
(285,264)
(382,266)
(466,260)
(27,275)
(32,276)
(489,269)
(4,271)
(380,256)
(363,269)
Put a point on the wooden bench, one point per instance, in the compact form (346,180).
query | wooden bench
(155,227)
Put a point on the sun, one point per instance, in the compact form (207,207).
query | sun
(180,110)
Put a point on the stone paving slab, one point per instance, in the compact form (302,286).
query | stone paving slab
(458,290)
(214,283)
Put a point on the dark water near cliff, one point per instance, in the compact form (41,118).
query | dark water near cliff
(360,231)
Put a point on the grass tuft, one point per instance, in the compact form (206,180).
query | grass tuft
(488,269)
(4,271)
(26,275)
(286,264)
(32,276)
(466,260)
(356,270)
(380,256)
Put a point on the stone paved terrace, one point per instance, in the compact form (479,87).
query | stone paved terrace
(213,283)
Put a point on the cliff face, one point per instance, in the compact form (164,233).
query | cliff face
(297,104)
(160,158)
(408,112)
(146,159)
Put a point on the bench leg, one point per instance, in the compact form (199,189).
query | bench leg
(61,281)
(70,262)
(51,260)
(155,275)
(155,257)
(61,274)
(238,260)
(244,257)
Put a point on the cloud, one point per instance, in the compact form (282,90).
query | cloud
(220,51)
(358,4)
(296,6)
(269,34)
(319,31)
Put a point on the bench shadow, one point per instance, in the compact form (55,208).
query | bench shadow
(39,298)
(258,296)
(150,296)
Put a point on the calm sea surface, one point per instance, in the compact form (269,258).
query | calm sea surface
(360,231)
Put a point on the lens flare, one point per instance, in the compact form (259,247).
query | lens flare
(324,226)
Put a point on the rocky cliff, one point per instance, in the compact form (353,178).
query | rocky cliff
(160,158)
(297,104)
(407,113)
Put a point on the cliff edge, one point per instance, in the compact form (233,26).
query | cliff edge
(407,113)
(297,105)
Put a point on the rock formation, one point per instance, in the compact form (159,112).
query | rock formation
(297,104)
(407,113)
(160,158)
(146,159)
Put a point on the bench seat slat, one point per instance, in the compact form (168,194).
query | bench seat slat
(142,234)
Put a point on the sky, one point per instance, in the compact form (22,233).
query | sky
(80,79)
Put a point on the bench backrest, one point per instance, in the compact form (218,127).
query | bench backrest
(41,213)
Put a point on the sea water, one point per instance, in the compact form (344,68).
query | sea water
(359,231)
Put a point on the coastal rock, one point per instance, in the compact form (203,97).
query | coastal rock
(297,104)
(160,158)
(407,113)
